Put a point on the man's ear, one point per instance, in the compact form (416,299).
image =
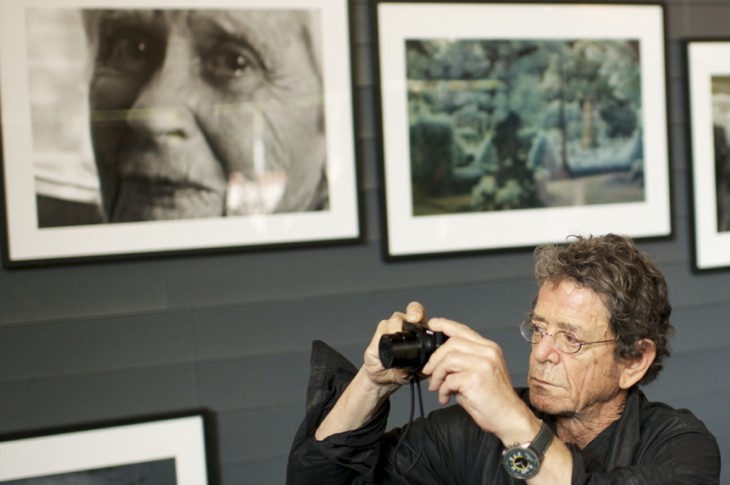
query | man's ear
(635,369)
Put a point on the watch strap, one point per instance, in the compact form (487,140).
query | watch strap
(542,440)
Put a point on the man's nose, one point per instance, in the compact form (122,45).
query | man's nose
(163,105)
(545,350)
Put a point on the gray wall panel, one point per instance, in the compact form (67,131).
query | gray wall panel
(253,383)
(38,403)
(314,273)
(700,373)
(102,345)
(254,472)
(253,436)
(81,290)
(706,19)
(701,328)
(710,288)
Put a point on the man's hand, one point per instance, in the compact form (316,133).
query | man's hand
(373,383)
(473,370)
(372,367)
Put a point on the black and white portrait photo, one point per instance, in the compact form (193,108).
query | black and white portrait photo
(721,125)
(191,113)
(175,125)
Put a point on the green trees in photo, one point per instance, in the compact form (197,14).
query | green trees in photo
(493,121)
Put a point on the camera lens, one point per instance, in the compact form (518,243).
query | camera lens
(400,349)
(409,348)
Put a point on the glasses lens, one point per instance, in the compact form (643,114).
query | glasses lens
(529,332)
(566,343)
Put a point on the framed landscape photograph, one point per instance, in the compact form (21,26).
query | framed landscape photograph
(708,95)
(166,451)
(150,127)
(507,125)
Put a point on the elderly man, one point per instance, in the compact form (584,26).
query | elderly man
(599,329)
(206,113)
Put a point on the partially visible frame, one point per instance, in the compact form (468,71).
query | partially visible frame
(164,450)
(484,108)
(64,169)
(708,95)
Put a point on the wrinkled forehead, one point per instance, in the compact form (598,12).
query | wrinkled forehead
(252,24)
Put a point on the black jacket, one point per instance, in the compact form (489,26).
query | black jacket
(651,443)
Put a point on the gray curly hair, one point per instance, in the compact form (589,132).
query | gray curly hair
(629,282)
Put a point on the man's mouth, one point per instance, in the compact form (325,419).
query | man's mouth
(140,198)
(159,186)
(541,382)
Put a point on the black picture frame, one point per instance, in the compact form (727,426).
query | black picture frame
(482,152)
(51,184)
(708,92)
(170,448)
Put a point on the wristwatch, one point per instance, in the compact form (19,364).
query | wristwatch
(523,460)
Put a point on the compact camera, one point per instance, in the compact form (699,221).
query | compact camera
(410,348)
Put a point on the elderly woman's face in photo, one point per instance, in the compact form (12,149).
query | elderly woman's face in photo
(204,113)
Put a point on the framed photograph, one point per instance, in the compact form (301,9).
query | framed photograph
(507,125)
(148,127)
(165,451)
(708,95)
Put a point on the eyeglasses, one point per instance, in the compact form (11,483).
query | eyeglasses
(563,341)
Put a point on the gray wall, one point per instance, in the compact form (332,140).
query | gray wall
(232,332)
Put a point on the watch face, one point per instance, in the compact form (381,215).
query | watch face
(521,462)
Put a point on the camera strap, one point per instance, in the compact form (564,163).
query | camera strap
(415,385)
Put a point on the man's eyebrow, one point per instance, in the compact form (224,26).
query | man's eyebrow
(214,23)
(260,28)
(223,22)
(569,327)
(127,16)
(562,326)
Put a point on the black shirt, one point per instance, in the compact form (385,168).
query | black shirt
(651,443)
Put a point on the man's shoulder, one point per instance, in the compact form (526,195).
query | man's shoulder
(680,437)
(661,416)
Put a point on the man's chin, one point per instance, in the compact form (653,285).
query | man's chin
(182,204)
(545,399)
